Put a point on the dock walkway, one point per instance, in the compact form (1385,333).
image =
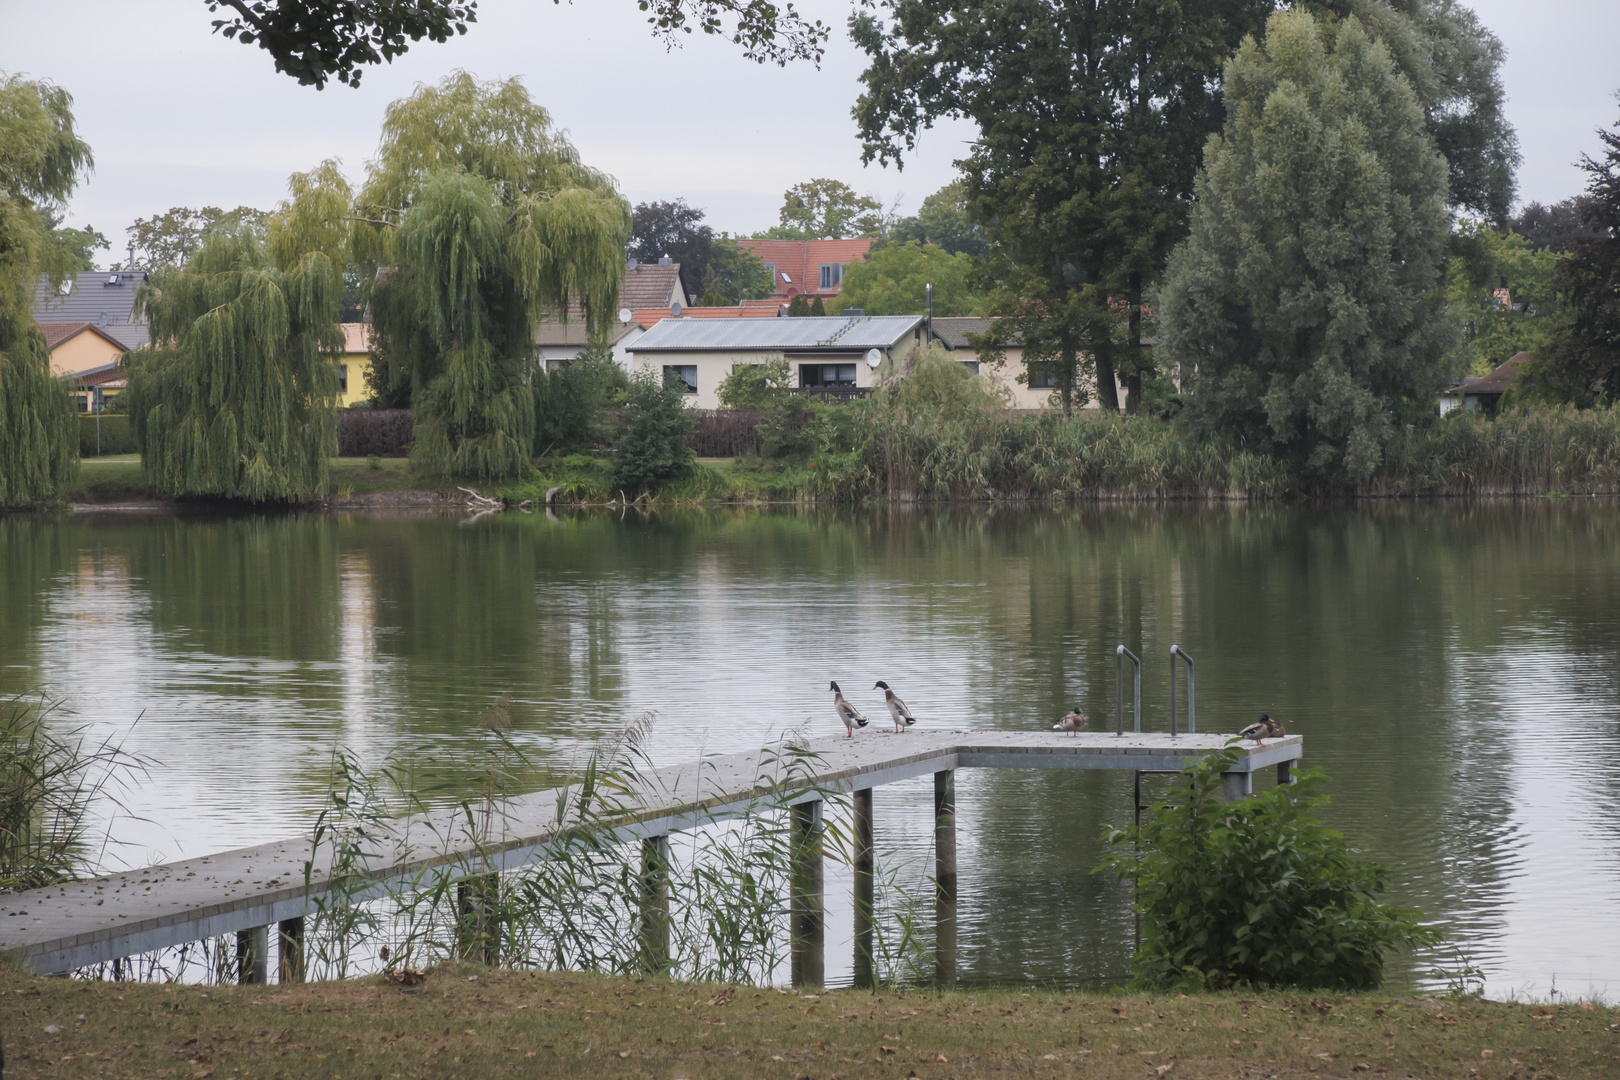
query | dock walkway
(245,891)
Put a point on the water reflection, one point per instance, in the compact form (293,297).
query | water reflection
(1453,666)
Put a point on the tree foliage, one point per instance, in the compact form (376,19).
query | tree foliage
(569,403)
(317,40)
(41,160)
(1091,117)
(1553,227)
(942,220)
(1497,324)
(1303,310)
(1255,893)
(1583,363)
(169,239)
(761,387)
(236,396)
(894,280)
(482,219)
(651,450)
(712,265)
(824,209)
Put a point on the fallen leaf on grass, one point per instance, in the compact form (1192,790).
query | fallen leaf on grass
(408,976)
(1162,1069)
(724,997)
(889,1049)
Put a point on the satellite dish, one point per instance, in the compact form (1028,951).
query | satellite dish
(675,309)
(625,315)
(873,358)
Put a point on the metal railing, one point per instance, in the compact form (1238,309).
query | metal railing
(1119,690)
(1192,716)
(833,395)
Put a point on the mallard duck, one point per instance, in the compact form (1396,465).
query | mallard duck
(1071,723)
(850,715)
(898,712)
(1262,729)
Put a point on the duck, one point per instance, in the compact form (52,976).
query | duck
(1262,729)
(850,715)
(898,712)
(1071,723)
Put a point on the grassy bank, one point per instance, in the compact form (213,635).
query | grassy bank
(473,1022)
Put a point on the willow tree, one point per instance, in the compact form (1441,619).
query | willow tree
(41,159)
(237,395)
(483,221)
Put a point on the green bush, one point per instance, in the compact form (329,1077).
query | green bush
(116,437)
(759,386)
(651,451)
(570,404)
(1256,892)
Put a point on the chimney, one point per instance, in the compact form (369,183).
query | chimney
(666,261)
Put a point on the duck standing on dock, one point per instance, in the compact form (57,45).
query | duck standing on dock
(898,712)
(850,715)
(1071,723)
(1262,729)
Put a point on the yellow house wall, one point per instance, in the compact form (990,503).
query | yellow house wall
(82,352)
(356,366)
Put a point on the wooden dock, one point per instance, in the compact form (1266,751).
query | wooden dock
(250,890)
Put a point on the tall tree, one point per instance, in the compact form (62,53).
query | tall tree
(41,160)
(712,265)
(317,40)
(1584,363)
(943,221)
(485,220)
(1556,227)
(1303,310)
(1091,116)
(826,209)
(895,280)
(171,238)
(236,397)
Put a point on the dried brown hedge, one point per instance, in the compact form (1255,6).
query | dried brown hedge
(383,432)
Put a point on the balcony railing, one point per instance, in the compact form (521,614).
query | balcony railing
(835,394)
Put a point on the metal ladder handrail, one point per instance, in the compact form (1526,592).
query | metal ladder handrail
(1192,716)
(1120,654)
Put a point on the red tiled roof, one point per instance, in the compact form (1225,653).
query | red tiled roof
(356,337)
(652,316)
(647,286)
(801,261)
(110,376)
(58,333)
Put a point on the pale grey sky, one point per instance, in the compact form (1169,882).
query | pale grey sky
(179,117)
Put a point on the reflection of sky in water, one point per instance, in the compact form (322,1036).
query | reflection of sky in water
(1459,687)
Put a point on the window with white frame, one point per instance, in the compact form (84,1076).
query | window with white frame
(686,373)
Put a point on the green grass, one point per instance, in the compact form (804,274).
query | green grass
(468,1021)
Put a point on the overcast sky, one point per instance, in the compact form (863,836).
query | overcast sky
(179,117)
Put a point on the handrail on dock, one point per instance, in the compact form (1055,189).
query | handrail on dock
(1119,690)
(1192,717)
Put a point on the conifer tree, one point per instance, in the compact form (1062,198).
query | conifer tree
(1303,311)
(482,220)
(236,395)
(41,158)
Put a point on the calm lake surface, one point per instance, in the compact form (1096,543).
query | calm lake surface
(1455,668)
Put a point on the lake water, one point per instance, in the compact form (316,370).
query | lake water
(1455,668)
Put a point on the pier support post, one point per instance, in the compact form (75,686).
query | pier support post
(655,905)
(863,889)
(290,950)
(477,901)
(945,878)
(253,956)
(1237,785)
(1285,773)
(808,916)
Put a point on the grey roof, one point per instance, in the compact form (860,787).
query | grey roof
(839,333)
(953,330)
(103,297)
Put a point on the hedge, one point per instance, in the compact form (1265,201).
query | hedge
(116,437)
(384,432)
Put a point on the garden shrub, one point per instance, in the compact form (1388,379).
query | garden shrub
(652,449)
(116,436)
(380,432)
(571,404)
(1256,892)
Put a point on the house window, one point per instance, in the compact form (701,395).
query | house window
(826,375)
(685,373)
(1041,377)
(343,378)
(831,275)
(972,366)
(772,268)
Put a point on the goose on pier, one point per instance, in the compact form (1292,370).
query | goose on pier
(1071,723)
(1262,729)
(898,712)
(848,713)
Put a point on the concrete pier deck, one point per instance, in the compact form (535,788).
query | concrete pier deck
(106,918)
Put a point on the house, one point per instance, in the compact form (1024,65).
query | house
(645,286)
(88,357)
(957,335)
(834,358)
(105,298)
(807,267)
(354,365)
(1484,393)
